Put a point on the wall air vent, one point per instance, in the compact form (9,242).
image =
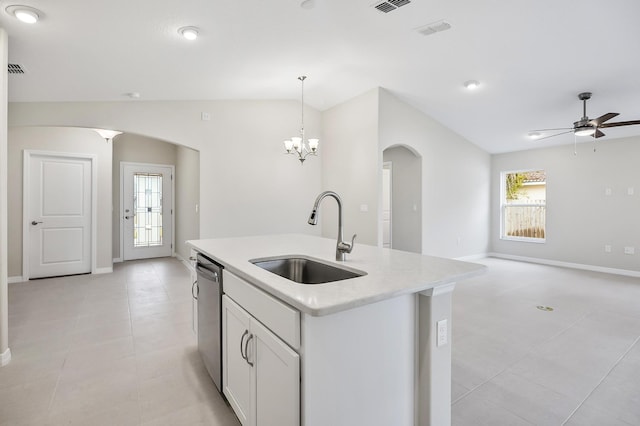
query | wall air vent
(434,27)
(15,69)
(390,5)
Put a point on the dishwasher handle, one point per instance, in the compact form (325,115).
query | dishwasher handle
(207,273)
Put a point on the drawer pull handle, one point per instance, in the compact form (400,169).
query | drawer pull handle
(195,290)
(246,349)
(241,340)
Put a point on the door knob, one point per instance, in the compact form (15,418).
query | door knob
(33,222)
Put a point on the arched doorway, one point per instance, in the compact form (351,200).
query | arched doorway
(402,199)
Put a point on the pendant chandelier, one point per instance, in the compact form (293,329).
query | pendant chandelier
(297,145)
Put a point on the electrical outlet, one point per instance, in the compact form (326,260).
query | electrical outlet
(364,207)
(607,191)
(629,250)
(630,190)
(607,248)
(443,333)
(205,116)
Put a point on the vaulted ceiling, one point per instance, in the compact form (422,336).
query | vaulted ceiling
(532,58)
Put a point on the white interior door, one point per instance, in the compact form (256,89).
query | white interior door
(147,210)
(58,193)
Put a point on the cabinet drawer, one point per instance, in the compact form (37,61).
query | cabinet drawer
(281,319)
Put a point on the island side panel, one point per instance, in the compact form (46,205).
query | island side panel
(358,366)
(433,387)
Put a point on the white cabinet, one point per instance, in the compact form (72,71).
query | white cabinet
(194,291)
(261,373)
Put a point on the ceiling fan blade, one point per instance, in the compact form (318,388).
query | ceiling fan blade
(598,134)
(608,116)
(551,130)
(557,134)
(620,123)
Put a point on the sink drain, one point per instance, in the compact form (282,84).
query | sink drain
(545,308)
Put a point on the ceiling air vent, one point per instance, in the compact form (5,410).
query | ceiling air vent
(15,69)
(390,5)
(434,27)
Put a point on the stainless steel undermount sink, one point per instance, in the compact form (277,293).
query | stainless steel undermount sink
(306,270)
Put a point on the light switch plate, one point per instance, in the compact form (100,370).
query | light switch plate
(443,333)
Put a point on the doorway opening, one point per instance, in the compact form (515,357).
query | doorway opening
(402,190)
(387,197)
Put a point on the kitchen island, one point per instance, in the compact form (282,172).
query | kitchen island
(372,350)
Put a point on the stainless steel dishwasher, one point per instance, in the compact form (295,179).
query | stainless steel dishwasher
(209,295)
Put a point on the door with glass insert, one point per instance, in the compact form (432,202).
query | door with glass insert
(146,211)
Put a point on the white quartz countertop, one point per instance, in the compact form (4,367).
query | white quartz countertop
(390,273)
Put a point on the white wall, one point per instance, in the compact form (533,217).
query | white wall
(581,219)
(350,167)
(187,199)
(57,139)
(247,185)
(455,179)
(5,353)
(138,149)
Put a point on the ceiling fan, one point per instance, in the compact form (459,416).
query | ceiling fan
(586,126)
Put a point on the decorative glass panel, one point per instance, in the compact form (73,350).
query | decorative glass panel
(147,208)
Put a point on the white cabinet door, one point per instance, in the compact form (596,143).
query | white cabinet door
(276,379)
(237,372)
(261,374)
(194,293)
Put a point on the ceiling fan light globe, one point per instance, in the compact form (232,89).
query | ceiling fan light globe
(585,131)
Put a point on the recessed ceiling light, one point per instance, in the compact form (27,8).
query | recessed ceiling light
(471,84)
(133,95)
(190,33)
(26,14)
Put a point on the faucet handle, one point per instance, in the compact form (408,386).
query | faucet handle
(345,247)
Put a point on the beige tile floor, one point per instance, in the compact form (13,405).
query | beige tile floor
(112,349)
(117,349)
(516,365)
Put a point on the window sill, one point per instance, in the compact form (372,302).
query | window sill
(525,239)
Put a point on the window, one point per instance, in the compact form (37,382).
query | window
(147,205)
(523,205)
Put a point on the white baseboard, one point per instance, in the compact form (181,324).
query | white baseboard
(106,270)
(472,257)
(19,279)
(5,357)
(584,267)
